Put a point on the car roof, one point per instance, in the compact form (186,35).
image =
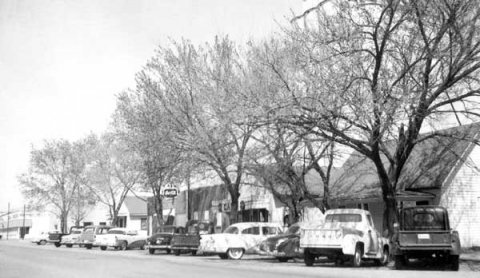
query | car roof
(243,225)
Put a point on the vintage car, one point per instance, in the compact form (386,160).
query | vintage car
(87,237)
(424,232)
(39,239)
(72,238)
(122,239)
(162,238)
(238,239)
(189,241)
(284,246)
(347,234)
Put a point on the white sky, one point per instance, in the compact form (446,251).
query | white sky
(62,62)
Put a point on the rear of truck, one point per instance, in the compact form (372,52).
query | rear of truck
(424,232)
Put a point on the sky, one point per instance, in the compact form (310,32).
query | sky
(62,62)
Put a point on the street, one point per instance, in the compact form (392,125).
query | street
(23,259)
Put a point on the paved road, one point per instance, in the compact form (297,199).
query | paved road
(22,259)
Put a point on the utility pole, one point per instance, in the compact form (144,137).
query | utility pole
(8,219)
(23,226)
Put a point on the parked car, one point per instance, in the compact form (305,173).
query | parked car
(238,239)
(347,234)
(39,239)
(122,239)
(189,241)
(87,237)
(55,237)
(72,238)
(162,238)
(424,232)
(285,246)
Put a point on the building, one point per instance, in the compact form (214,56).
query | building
(442,170)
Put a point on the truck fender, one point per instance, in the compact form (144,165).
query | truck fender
(349,243)
(456,247)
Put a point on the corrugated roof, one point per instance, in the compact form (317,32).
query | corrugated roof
(136,206)
(429,165)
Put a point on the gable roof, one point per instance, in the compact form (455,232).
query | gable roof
(429,165)
(136,206)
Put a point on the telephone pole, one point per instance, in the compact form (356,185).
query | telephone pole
(8,219)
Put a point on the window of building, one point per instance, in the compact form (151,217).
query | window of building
(85,224)
(122,221)
(102,223)
(143,224)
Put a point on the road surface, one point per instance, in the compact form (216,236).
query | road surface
(24,259)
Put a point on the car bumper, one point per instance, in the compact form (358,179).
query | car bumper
(158,247)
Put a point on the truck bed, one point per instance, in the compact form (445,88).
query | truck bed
(316,238)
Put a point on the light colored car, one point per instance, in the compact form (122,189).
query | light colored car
(72,238)
(238,239)
(122,238)
(39,239)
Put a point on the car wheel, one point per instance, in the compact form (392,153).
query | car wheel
(194,252)
(283,259)
(357,257)
(385,257)
(454,263)
(88,246)
(309,258)
(169,251)
(69,245)
(103,248)
(399,262)
(142,247)
(43,242)
(177,252)
(338,261)
(235,253)
(57,244)
(123,246)
(151,251)
(223,256)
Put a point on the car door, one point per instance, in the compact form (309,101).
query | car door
(251,237)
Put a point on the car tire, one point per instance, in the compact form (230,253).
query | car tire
(57,244)
(454,262)
(103,248)
(283,259)
(235,253)
(151,251)
(399,262)
(309,258)
(383,261)
(357,257)
(142,247)
(69,245)
(169,251)
(194,252)
(88,246)
(223,256)
(177,252)
(43,242)
(123,246)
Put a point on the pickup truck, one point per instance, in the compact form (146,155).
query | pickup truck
(424,232)
(189,241)
(72,238)
(56,236)
(347,234)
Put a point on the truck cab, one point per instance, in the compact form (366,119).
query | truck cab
(346,235)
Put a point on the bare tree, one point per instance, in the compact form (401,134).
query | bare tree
(366,74)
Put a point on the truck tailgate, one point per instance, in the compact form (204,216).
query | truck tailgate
(425,239)
(328,238)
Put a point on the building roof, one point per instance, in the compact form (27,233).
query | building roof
(136,206)
(430,165)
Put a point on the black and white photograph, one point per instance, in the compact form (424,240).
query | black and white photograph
(239,138)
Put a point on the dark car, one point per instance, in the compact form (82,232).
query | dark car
(189,241)
(56,236)
(284,246)
(424,233)
(162,238)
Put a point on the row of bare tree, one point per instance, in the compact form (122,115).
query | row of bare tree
(344,75)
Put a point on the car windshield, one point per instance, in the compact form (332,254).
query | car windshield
(76,232)
(89,230)
(293,230)
(116,232)
(343,217)
(169,230)
(231,230)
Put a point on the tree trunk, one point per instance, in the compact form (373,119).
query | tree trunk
(159,210)
(234,208)
(390,215)
(63,222)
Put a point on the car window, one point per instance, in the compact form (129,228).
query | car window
(269,231)
(343,217)
(116,232)
(251,231)
(370,221)
(103,231)
(231,230)
(293,230)
(89,230)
